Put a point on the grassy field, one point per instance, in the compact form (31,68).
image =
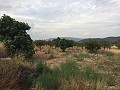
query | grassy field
(52,69)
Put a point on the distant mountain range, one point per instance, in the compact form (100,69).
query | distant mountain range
(69,38)
(109,39)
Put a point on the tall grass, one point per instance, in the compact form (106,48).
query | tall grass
(3,50)
(9,74)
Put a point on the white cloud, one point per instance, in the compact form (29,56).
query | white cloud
(75,18)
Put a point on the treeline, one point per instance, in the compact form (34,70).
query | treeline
(91,45)
(17,41)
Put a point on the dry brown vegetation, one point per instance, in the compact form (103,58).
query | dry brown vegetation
(2,50)
(99,71)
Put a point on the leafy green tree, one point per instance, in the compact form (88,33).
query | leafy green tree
(118,44)
(92,45)
(64,43)
(50,43)
(57,41)
(80,44)
(105,44)
(15,37)
(39,43)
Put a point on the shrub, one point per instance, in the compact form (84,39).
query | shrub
(15,37)
(116,69)
(81,56)
(42,68)
(48,81)
(111,81)
(92,45)
(91,75)
(69,69)
(63,43)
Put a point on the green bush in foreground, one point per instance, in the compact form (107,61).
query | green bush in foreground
(69,69)
(15,37)
(90,74)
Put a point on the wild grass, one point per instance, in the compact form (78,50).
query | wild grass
(9,74)
(83,71)
(3,51)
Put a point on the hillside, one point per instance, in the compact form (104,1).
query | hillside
(109,39)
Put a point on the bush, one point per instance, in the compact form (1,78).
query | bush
(48,81)
(15,37)
(42,68)
(111,81)
(92,45)
(69,69)
(81,56)
(90,74)
(63,43)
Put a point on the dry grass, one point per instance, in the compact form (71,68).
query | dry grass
(14,74)
(2,50)
(116,51)
(13,71)
(9,74)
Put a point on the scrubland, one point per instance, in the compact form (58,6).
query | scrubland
(52,69)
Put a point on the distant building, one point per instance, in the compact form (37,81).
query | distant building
(114,47)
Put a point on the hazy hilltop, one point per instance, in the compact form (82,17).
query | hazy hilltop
(109,39)
(69,38)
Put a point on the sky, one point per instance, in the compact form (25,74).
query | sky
(66,18)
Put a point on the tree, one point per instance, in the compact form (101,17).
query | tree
(64,43)
(92,45)
(105,44)
(117,43)
(50,43)
(39,43)
(15,37)
(56,42)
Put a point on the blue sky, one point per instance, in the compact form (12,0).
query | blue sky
(66,18)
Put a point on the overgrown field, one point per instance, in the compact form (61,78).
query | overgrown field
(52,69)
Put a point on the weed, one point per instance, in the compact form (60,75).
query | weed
(69,69)
(111,81)
(90,74)
(42,68)
(48,81)
(3,51)
(51,56)
(116,69)
(81,56)
(106,53)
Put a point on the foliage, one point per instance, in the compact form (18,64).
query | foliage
(63,43)
(90,74)
(50,43)
(2,50)
(39,43)
(48,81)
(117,43)
(92,45)
(81,56)
(15,37)
(80,44)
(42,68)
(56,41)
(105,44)
(69,69)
